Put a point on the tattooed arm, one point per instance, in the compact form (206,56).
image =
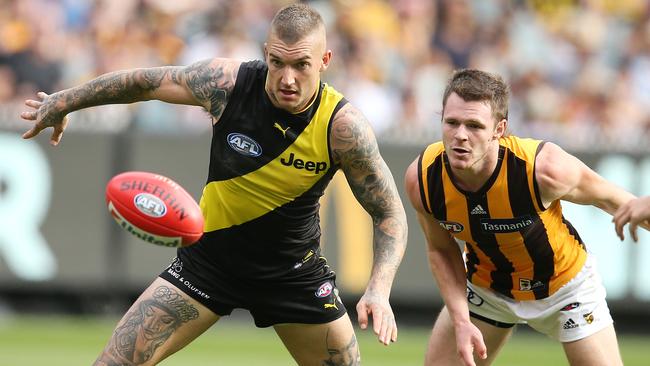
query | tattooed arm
(206,83)
(355,150)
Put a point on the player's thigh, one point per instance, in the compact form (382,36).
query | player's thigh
(160,322)
(332,343)
(494,337)
(442,349)
(600,348)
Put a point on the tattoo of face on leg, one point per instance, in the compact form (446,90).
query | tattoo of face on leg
(147,327)
(348,355)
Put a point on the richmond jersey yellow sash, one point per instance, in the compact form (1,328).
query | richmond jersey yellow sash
(283,178)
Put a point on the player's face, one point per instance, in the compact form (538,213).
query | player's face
(294,70)
(470,133)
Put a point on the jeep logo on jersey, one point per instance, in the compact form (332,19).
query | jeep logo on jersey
(324,290)
(244,144)
(454,227)
(150,205)
(310,166)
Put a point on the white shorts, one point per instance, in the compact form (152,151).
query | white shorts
(577,310)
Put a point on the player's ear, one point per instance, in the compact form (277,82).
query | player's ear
(266,52)
(500,129)
(325,61)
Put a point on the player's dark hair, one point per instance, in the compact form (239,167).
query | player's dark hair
(475,86)
(295,21)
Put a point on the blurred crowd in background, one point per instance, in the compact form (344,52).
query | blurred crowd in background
(579,69)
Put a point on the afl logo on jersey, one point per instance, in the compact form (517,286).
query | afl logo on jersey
(454,227)
(244,144)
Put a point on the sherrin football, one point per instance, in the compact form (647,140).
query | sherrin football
(154,208)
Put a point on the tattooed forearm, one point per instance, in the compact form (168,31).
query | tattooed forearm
(355,150)
(147,327)
(114,88)
(348,355)
(206,83)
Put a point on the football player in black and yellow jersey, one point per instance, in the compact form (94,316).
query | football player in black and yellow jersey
(279,135)
(498,198)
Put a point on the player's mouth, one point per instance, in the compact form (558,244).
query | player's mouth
(288,93)
(460,152)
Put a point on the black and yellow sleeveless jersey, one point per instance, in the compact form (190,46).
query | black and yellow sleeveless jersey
(514,245)
(268,169)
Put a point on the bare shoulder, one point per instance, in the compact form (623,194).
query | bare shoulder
(552,163)
(212,82)
(352,139)
(558,173)
(412,185)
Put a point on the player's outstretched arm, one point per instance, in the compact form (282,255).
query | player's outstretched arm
(446,264)
(635,212)
(355,150)
(560,175)
(206,83)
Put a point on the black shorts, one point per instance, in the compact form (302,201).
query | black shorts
(310,299)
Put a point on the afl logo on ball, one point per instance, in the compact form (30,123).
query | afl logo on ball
(244,144)
(150,205)
(324,290)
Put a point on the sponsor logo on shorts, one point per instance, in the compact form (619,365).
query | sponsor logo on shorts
(150,205)
(589,317)
(244,144)
(185,282)
(571,306)
(526,284)
(473,298)
(324,290)
(333,305)
(570,324)
(176,265)
(452,226)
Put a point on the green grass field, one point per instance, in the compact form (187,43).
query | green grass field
(69,341)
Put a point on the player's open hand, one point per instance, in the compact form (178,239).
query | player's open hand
(468,341)
(635,212)
(44,115)
(383,321)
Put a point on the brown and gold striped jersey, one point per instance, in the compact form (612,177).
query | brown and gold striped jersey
(514,245)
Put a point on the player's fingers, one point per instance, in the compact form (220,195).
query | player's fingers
(362,315)
(480,349)
(42,95)
(57,134)
(29,115)
(386,329)
(393,333)
(619,222)
(466,356)
(633,225)
(33,103)
(377,322)
(33,131)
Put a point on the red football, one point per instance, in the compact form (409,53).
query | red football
(154,208)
